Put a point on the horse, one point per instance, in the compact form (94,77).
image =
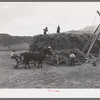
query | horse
(25,58)
(35,56)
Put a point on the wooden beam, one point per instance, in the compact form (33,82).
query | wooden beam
(93,41)
(87,44)
(89,41)
(98,12)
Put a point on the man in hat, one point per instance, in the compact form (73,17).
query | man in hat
(72,59)
(45,30)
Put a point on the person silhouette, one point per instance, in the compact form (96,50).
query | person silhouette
(72,59)
(58,29)
(45,30)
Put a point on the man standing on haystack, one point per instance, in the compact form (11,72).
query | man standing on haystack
(45,30)
(58,29)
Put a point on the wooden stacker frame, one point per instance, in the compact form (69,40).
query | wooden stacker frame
(91,42)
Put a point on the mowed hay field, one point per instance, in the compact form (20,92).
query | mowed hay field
(84,76)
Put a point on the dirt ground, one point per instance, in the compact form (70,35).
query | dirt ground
(84,76)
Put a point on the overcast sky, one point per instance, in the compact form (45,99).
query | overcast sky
(30,18)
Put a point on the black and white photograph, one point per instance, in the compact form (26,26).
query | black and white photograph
(50,45)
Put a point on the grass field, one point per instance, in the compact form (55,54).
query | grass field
(20,46)
(84,76)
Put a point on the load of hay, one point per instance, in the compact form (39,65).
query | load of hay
(62,57)
(62,44)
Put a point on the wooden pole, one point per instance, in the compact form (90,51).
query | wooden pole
(87,44)
(98,12)
(93,41)
(89,41)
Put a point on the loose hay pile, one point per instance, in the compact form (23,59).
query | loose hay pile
(62,57)
(62,44)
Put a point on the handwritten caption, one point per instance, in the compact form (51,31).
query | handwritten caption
(51,90)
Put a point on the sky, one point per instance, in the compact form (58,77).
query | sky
(30,18)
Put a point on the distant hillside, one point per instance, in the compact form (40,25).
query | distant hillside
(6,39)
(89,29)
(8,42)
(76,32)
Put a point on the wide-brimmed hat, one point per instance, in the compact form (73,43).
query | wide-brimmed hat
(49,46)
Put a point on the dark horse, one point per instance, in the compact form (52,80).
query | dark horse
(35,56)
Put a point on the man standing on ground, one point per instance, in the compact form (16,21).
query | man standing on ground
(72,59)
